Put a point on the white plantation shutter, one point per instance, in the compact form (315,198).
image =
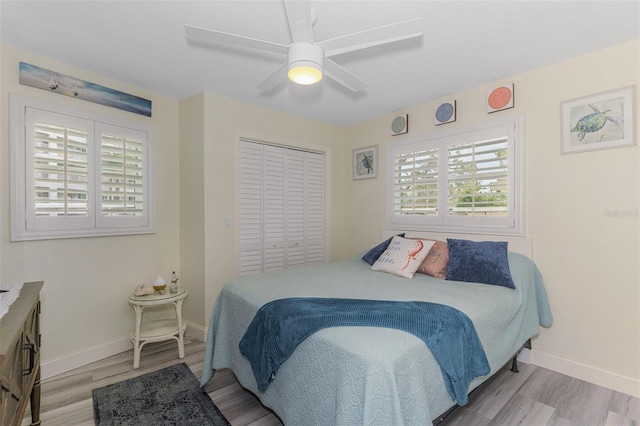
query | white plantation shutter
(415,182)
(122,176)
(58,158)
(478,175)
(61,165)
(281,208)
(123,183)
(75,175)
(469,180)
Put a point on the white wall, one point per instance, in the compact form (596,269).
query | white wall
(85,315)
(589,260)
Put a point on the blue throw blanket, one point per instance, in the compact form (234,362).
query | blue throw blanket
(279,326)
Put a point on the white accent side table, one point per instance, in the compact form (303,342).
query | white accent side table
(157,331)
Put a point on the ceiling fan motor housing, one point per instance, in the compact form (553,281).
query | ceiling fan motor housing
(306,62)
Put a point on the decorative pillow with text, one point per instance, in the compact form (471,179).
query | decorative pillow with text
(403,256)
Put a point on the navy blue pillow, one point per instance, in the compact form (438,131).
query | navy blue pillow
(479,262)
(372,255)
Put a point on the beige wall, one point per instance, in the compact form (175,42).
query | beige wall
(192,213)
(87,280)
(224,122)
(589,259)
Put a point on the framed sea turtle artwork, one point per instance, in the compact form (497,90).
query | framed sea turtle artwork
(600,121)
(365,162)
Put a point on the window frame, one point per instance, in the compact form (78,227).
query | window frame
(25,225)
(511,224)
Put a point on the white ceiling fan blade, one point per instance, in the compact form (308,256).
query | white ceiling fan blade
(274,79)
(373,37)
(233,39)
(342,76)
(300,21)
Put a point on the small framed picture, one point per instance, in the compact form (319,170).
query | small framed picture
(600,121)
(365,162)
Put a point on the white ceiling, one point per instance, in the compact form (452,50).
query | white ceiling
(465,44)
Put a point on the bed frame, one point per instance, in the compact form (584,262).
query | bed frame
(514,368)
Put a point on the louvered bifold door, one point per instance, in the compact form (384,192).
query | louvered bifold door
(273,208)
(281,203)
(314,208)
(250,208)
(295,211)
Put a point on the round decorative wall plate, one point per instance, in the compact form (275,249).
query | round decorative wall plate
(500,98)
(400,125)
(445,113)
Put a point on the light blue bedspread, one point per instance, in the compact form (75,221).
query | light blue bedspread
(279,327)
(370,375)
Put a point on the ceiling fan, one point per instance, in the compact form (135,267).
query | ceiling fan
(309,60)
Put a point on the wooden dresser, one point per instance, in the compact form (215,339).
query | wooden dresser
(20,357)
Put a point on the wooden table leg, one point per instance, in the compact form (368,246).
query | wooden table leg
(35,400)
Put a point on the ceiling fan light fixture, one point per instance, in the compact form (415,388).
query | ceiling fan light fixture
(305,63)
(305,75)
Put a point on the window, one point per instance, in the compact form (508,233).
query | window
(468,180)
(76,174)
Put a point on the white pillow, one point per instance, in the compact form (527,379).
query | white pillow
(403,257)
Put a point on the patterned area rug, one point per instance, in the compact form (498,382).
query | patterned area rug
(171,396)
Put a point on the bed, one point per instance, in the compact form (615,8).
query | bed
(371,375)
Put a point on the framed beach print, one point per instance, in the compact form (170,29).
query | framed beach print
(600,121)
(55,82)
(365,162)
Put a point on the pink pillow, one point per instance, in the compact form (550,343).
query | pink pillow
(437,261)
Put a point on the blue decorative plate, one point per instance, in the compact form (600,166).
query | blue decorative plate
(444,112)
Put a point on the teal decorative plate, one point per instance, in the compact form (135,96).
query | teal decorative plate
(399,125)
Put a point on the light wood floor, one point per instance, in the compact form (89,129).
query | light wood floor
(535,396)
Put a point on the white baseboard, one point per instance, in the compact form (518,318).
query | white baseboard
(607,379)
(525,356)
(79,359)
(66,363)
(196,331)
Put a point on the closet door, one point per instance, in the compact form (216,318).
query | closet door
(273,208)
(295,212)
(314,208)
(281,214)
(250,206)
